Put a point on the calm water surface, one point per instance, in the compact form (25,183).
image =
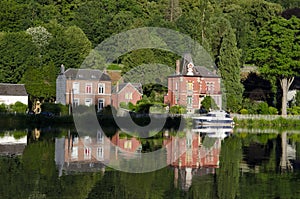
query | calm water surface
(58,163)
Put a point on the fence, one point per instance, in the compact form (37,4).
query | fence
(265,117)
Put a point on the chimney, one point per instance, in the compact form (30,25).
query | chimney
(62,69)
(177,67)
(117,87)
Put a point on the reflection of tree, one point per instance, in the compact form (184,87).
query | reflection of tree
(285,164)
(228,173)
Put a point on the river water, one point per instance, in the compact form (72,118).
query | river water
(58,163)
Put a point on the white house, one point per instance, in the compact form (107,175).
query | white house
(12,93)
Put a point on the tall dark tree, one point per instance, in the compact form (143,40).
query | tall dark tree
(228,63)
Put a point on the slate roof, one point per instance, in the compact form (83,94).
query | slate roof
(137,86)
(13,89)
(199,71)
(86,74)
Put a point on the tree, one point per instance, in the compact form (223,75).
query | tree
(278,53)
(228,63)
(209,103)
(17,53)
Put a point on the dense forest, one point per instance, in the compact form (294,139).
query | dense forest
(37,36)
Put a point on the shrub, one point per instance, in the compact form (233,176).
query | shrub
(178,109)
(244,111)
(3,108)
(263,108)
(18,107)
(273,110)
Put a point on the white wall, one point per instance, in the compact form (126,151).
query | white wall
(13,99)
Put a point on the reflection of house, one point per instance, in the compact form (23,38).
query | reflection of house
(9,145)
(126,92)
(12,93)
(191,156)
(127,146)
(82,153)
(83,87)
(191,84)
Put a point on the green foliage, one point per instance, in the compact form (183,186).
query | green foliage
(18,107)
(295,110)
(297,98)
(177,109)
(114,67)
(263,108)
(3,108)
(15,56)
(244,111)
(229,65)
(209,103)
(57,109)
(273,110)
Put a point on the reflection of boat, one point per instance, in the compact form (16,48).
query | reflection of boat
(214,131)
(213,118)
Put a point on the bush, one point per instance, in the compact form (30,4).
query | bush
(178,109)
(295,110)
(18,107)
(263,108)
(273,110)
(244,111)
(3,108)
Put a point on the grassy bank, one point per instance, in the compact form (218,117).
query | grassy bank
(263,123)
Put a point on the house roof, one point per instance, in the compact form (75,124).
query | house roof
(198,71)
(86,74)
(13,89)
(137,86)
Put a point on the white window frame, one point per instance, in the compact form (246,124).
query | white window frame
(86,102)
(101,88)
(76,87)
(100,152)
(128,96)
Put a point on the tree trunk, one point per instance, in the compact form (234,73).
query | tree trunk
(285,85)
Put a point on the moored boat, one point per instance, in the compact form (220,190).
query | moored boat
(213,118)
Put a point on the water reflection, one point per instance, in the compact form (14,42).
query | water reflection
(192,152)
(241,165)
(13,143)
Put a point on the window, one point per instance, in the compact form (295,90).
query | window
(100,104)
(75,87)
(210,87)
(100,152)
(88,102)
(189,101)
(190,86)
(127,144)
(88,88)
(101,88)
(76,102)
(99,137)
(87,153)
(128,96)
(74,153)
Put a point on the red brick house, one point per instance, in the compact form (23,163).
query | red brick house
(83,87)
(126,92)
(190,84)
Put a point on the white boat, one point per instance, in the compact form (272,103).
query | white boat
(213,118)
